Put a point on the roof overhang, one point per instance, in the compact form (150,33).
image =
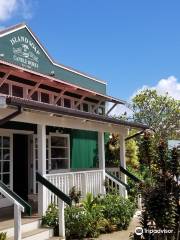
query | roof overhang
(62,111)
(23,72)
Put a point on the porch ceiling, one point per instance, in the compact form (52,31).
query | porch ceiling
(67,112)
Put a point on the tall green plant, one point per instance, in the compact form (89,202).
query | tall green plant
(161,199)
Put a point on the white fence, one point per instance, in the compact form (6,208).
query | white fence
(113,184)
(85,181)
(115,171)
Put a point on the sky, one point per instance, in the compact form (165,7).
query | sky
(130,44)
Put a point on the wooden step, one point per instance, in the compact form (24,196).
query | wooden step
(37,234)
(28,224)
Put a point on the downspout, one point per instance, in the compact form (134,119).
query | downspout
(11,116)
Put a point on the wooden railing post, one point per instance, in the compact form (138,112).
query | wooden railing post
(17,222)
(101,153)
(71,180)
(61,218)
(41,135)
(84,184)
(139,202)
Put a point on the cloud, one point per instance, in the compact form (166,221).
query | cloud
(9,8)
(169,85)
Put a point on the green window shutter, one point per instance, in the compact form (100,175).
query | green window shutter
(84,149)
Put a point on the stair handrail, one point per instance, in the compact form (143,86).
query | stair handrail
(15,198)
(61,195)
(130,175)
(62,198)
(19,206)
(119,181)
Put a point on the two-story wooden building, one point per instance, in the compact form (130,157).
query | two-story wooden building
(52,120)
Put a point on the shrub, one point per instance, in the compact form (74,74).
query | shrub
(3,236)
(50,218)
(118,210)
(77,222)
(96,215)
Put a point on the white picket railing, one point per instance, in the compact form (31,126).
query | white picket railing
(113,184)
(115,171)
(84,181)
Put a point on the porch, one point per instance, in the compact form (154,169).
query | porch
(48,152)
(19,159)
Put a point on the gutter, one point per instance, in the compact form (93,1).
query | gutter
(43,107)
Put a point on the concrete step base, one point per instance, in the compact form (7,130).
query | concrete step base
(37,234)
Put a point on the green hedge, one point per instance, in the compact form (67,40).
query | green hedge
(93,216)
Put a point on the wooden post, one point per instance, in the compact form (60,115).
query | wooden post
(101,152)
(41,136)
(139,202)
(84,184)
(123,159)
(61,218)
(17,222)
(71,180)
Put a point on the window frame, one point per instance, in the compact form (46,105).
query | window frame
(67,136)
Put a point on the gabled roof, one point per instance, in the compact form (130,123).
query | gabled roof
(17,27)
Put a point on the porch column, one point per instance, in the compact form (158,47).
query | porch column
(123,158)
(101,152)
(41,136)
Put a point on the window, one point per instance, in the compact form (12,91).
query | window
(85,107)
(67,103)
(34,96)
(4,89)
(79,105)
(101,111)
(59,152)
(5,160)
(59,102)
(44,97)
(17,91)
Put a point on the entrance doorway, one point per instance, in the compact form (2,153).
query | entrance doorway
(20,165)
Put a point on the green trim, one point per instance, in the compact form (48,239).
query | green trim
(26,206)
(130,175)
(53,189)
(118,180)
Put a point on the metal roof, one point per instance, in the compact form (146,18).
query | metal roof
(43,107)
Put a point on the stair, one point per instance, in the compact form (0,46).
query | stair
(31,229)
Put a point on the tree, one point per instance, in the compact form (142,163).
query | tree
(161,113)
(161,194)
(113,151)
